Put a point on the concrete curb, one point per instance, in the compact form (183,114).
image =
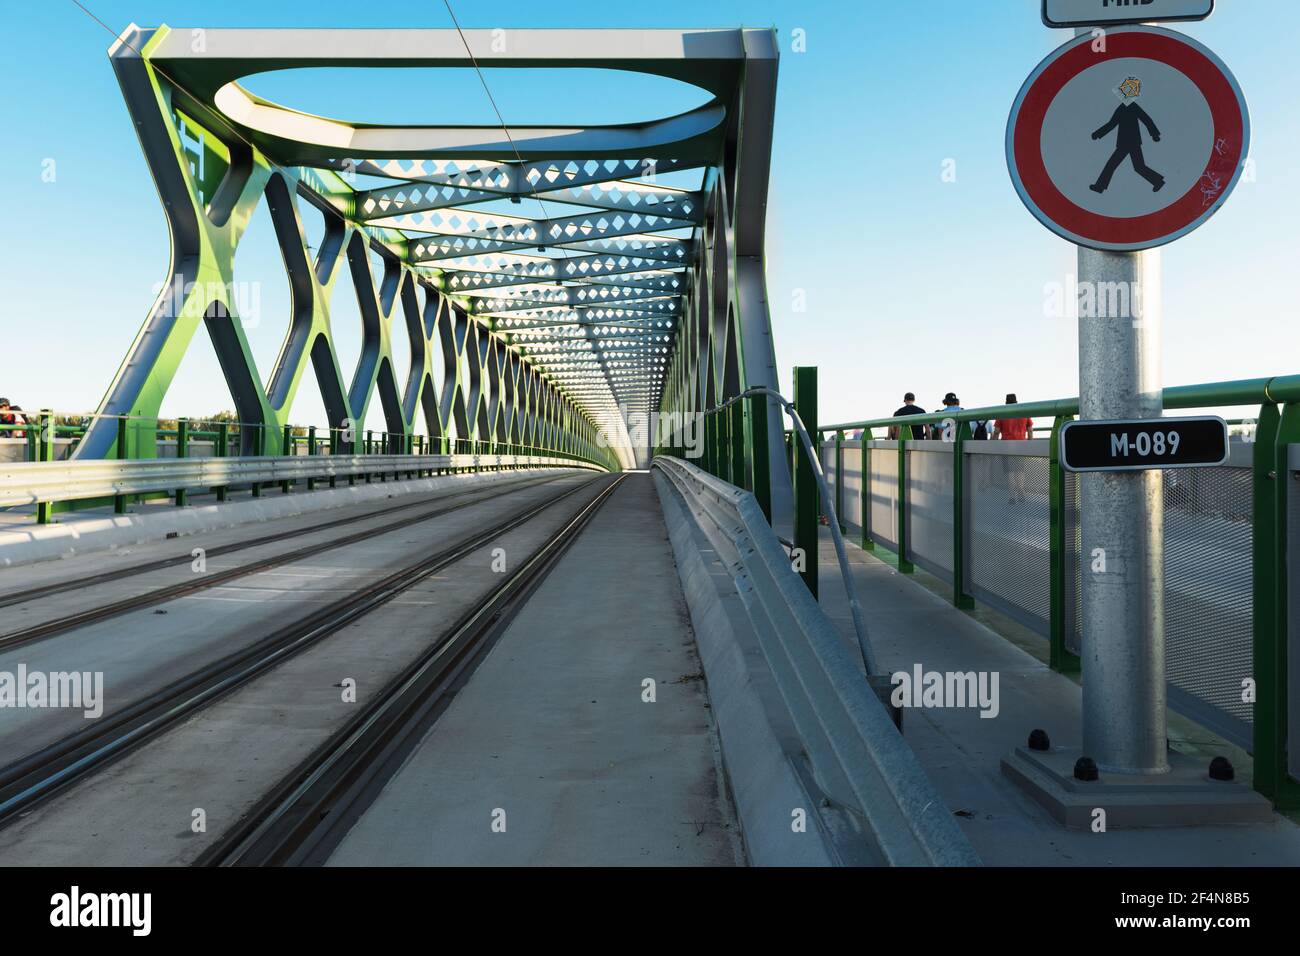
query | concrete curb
(764,784)
(34,543)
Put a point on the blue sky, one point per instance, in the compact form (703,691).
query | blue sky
(910,282)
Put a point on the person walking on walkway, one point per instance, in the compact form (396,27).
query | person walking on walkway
(946,431)
(909,408)
(1013,429)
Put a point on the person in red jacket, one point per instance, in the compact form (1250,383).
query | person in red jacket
(1013,429)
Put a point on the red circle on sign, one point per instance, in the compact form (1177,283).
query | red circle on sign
(1222,164)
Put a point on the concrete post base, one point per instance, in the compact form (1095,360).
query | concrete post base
(1185,796)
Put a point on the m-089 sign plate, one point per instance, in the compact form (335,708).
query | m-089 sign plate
(1142,444)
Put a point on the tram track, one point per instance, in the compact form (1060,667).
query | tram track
(34,778)
(208,580)
(307,814)
(12,598)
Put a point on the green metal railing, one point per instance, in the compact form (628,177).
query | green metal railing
(230,438)
(1276,426)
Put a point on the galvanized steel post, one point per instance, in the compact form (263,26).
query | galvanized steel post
(1122,522)
(806,494)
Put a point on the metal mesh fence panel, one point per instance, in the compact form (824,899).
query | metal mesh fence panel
(1209,595)
(1008,558)
(884,493)
(1209,590)
(1072,599)
(930,507)
(850,500)
(1209,630)
(828,466)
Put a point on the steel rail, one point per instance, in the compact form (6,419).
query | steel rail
(34,778)
(302,820)
(170,592)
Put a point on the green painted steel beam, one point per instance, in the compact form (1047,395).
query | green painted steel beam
(806,493)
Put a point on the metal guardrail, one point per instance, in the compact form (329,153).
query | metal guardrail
(25,483)
(855,752)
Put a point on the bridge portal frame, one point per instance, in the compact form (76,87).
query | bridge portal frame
(500,385)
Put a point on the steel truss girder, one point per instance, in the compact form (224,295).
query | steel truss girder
(627,266)
(615,195)
(633,277)
(434,243)
(489,391)
(510,177)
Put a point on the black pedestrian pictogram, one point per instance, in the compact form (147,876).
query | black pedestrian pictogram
(1128,141)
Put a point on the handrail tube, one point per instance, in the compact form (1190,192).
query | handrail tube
(855,606)
(1249,391)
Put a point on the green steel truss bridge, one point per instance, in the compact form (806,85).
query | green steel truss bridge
(552,331)
(721,598)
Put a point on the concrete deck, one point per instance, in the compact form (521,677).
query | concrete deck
(140,810)
(909,623)
(552,731)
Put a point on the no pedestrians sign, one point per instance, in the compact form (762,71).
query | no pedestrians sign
(1127,140)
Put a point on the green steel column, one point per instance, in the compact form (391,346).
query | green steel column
(806,497)
(719,445)
(839,479)
(904,565)
(119,501)
(737,445)
(287,445)
(45,452)
(724,446)
(334,450)
(762,479)
(1059,657)
(311,453)
(959,596)
(710,444)
(1272,435)
(182,451)
(864,493)
(259,449)
(221,451)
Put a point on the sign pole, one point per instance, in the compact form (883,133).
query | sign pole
(1163,160)
(1123,514)
(1121,520)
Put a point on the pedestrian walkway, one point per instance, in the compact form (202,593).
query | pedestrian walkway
(910,624)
